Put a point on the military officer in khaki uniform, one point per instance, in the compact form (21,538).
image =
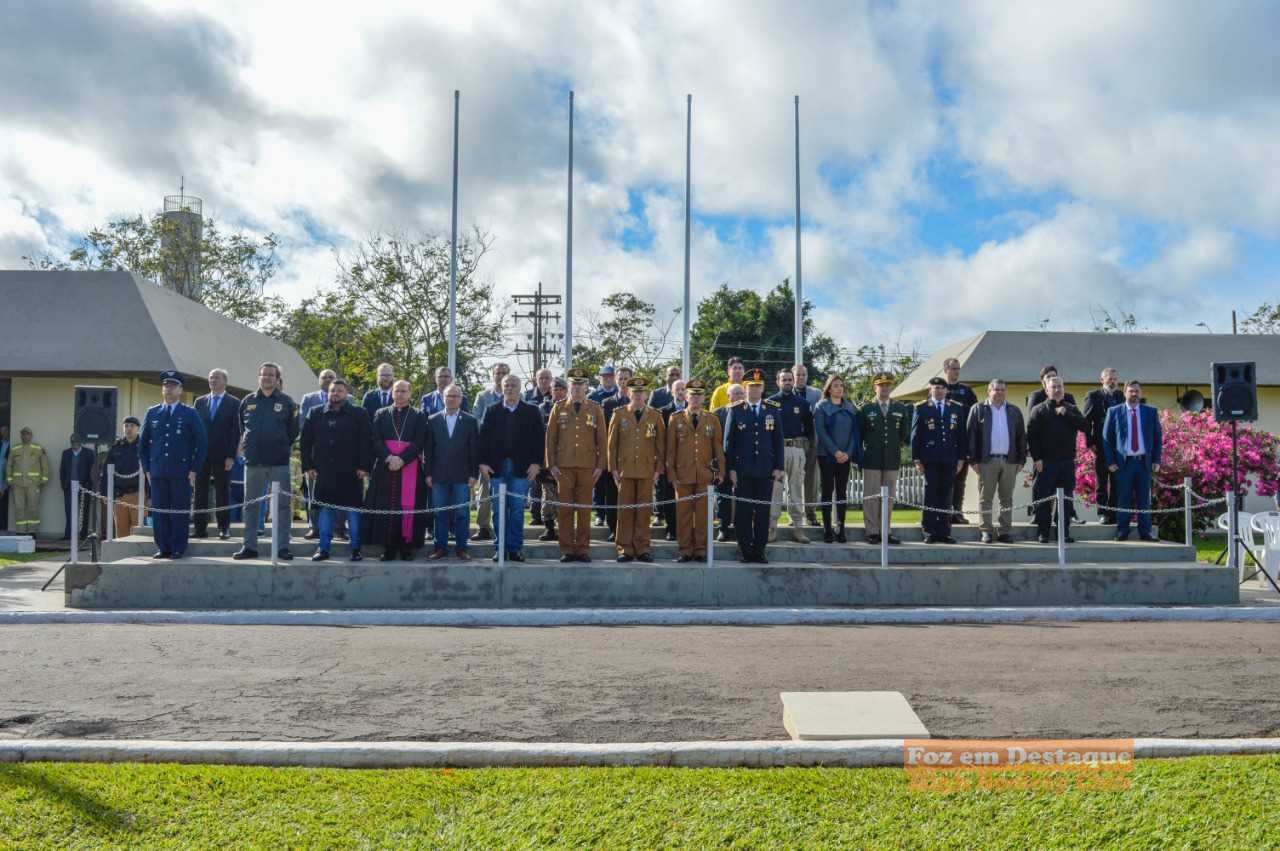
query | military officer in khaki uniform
(637,452)
(27,471)
(695,459)
(576,446)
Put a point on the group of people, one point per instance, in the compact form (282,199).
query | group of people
(387,471)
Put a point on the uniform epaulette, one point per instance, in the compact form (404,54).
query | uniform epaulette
(773,403)
(922,404)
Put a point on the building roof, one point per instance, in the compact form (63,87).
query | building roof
(117,323)
(1176,359)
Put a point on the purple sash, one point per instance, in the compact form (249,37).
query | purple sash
(408,487)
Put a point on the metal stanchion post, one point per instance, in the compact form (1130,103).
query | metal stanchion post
(111,501)
(1186,510)
(142,498)
(711,525)
(502,523)
(1232,561)
(75,522)
(1062,530)
(885,508)
(275,522)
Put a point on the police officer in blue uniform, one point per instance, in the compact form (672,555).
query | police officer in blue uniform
(937,448)
(173,446)
(753,456)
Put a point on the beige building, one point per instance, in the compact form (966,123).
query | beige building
(113,329)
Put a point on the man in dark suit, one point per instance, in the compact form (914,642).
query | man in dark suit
(433,402)
(311,401)
(1096,405)
(753,454)
(938,451)
(453,464)
(219,413)
(512,448)
(380,396)
(666,394)
(172,448)
(76,466)
(1132,439)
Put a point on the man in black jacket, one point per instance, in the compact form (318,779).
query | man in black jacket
(123,456)
(337,454)
(1096,405)
(220,413)
(1051,440)
(511,452)
(76,465)
(268,428)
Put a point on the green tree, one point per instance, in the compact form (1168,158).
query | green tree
(234,268)
(1264,320)
(330,333)
(626,331)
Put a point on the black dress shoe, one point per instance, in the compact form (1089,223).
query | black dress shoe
(284,554)
(159,554)
(175,556)
(647,558)
(1004,539)
(683,559)
(929,539)
(406,555)
(1147,538)
(828,537)
(355,556)
(1122,536)
(549,535)
(565,559)
(244,553)
(760,559)
(320,555)
(946,539)
(623,559)
(893,540)
(722,536)
(1068,540)
(224,535)
(390,555)
(494,557)
(482,535)
(586,559)
(515,556)
(960,520)
(873,539)
(746,556)
(610,537)
(670,536)
(202,533)
(1042,539)
(841,538)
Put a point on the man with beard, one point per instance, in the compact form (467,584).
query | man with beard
(337,452)
(380,396)
(399,433)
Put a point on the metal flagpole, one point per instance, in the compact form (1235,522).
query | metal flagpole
(799,332)
(568,254)
(453,250)
(688,170)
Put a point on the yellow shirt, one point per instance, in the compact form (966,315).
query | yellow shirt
(720,396)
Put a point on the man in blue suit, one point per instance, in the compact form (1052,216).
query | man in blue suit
(753,456)
(173,447)
(938,450)
(380,396)
(433,402)
(1132,442)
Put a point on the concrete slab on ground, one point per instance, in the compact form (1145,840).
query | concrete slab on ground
(17,544)
(815,716)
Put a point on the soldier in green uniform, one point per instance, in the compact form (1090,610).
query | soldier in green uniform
(885,426)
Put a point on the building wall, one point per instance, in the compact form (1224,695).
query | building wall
(46,406)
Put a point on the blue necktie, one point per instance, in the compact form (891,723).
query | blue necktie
(213,409)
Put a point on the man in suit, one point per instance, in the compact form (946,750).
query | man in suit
(173,447)
(511,453)
(753,454)
(695,460)
(665,395)
(453,464)
(76,465)
(663,491)
(725,507)
(1051,441)
(311,401)
(938,451)
(337,455)
(576,446)
(963,394)
(1096,405)
(380,396)
(997,441)
(1132,441)
(219,413)
(484,400)
(433,402)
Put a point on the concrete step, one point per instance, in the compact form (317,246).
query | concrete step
(854,553)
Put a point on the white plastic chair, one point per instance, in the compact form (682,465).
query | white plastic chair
(1244,534)
(1268,524)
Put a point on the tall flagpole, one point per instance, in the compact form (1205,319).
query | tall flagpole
(799,332)
(688,170)
(568,254)
(453,251)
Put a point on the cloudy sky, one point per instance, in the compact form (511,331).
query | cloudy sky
(965,165)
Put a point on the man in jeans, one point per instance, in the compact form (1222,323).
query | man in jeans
(998,450)
(453,460)
(486,399)
(511,451)
(268,428)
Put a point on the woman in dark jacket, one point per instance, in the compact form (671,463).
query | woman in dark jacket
(835,422)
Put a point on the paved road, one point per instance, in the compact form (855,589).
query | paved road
(600,684)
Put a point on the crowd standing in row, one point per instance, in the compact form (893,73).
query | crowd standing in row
(372,470)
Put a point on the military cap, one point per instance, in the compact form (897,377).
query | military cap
(937,381)
(171,375)
(882,378)
(754,376)
(578,375)
(132,419)
(695,387)
(638,382)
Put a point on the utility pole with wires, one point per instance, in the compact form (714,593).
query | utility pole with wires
(543,343)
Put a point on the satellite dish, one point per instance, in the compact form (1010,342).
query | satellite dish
(1192,401)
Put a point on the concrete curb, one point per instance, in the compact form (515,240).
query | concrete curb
(648,617)
(852,754)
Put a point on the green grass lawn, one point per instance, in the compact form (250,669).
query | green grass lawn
(1221,802)
(7,559)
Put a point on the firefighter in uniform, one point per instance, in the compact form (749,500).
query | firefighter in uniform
(937,448)
(172,448)
(695,459)
(576,445)
(637,451)
(753,457)
(27,471)
(885,427)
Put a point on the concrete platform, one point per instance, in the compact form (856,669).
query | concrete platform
(817,716)
(17,544)
(220,583)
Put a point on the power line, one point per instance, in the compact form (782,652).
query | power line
(541,340)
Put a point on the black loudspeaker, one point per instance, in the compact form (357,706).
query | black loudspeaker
(95,416)
(1235,392)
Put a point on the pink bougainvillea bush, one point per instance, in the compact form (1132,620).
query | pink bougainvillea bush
(1196,445)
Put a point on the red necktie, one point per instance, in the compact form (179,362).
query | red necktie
(1133,430)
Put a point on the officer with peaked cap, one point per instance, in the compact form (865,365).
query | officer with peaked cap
(173,446)
(753,455)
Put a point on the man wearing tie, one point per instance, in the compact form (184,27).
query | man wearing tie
(173,448)
(311,401)
(380,396)
(1132,440)
(220,415)
(753,454)
(453,465)
(76,465)
(937,448)
(1096,405)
